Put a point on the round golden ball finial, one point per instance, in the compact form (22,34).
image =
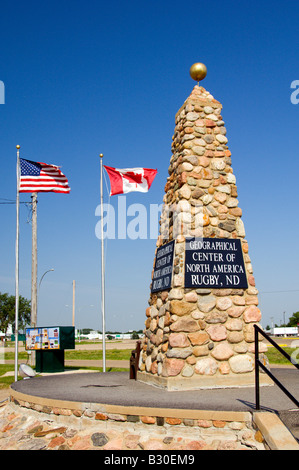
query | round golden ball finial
(101,155)
(18,147)
(198,71)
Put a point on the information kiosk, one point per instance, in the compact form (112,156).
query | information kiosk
(49,343)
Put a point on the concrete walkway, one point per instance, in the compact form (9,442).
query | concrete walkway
(116,388)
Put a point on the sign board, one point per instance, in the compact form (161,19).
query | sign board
(50,338)
(163,268)
(214,263)
(42,338)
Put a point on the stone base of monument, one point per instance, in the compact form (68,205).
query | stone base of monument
(202,382)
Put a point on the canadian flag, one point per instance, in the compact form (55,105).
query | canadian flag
(126,180)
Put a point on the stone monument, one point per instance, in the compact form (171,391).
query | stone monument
(199,329)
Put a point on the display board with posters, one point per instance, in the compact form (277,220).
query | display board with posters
(42,338)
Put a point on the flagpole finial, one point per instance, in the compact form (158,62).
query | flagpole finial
(18,147)
(198,71)
(101,155)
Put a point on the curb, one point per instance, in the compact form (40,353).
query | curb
(275,433)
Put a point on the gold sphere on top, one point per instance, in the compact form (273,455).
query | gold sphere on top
(198,71)
(18,147)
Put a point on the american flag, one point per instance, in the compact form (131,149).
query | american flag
(37,177)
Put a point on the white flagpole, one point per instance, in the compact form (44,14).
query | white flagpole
(103,269)
(17,267)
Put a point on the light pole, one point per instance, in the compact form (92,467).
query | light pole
(49,270)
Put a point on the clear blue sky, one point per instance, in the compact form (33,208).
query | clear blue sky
(84,78)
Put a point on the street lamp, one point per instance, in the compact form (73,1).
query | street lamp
(41,282)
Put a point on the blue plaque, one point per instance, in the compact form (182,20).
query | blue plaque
(215,263)
(163,268)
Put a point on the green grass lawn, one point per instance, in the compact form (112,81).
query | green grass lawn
(73,354)
(111,354)
(6,381)
(275,357)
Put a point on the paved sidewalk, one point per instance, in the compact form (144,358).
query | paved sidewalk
(116,388)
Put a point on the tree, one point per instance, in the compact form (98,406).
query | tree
(7,312)
(294,320)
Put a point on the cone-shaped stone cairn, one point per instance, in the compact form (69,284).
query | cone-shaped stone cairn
(201,337)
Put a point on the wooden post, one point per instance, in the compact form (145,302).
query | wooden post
(33,322)
(34,262)
(74,286)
